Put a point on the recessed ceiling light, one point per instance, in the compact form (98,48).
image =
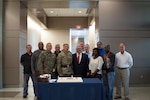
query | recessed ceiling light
(80,11)
(51,11)
(38,12)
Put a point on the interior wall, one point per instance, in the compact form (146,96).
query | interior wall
(1,43)
(55,37)
(34,31)
(67,22)
(59,29)
(128,22)
(91,36)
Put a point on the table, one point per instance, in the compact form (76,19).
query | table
(90,89)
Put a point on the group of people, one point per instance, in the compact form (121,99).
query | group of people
(100,63)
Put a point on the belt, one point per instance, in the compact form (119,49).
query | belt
(65,66)
(122,68)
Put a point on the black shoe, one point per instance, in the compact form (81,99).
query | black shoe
(117,97)
(24,96)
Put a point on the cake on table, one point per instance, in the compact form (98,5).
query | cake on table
(69,79)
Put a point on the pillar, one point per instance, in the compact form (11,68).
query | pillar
(15,39)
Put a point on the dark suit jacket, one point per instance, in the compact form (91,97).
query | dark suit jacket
(80,69)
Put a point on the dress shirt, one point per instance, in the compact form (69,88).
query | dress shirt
(89,54)
(124,60)
(26,62)
(96,64)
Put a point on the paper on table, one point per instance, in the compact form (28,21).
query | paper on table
(52,80)
(44,76)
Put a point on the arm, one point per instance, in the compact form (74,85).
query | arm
(100,64)
(40,64)
(130,61)
(22,60)
(112,61)
(54,63)
(33,63)
(59,65)
(87,63)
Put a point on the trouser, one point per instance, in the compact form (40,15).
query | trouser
(122,79)
(26,80)
(35,84)
(108,85)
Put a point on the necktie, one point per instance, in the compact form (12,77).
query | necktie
(78,58)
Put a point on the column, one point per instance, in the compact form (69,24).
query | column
(15,39)
(1,31)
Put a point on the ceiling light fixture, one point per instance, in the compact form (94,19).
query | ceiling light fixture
(51,11)
(79,11)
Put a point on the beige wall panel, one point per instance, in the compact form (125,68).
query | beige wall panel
(12,16)
(1,44)
(23,18)
(11,63)
(11,77)
(12,34)
(66,22)
(11,52)
(15,38)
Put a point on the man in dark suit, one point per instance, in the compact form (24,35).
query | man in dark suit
(80,63)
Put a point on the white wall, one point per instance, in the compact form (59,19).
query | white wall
(55,37)
(35,28)
(92,36)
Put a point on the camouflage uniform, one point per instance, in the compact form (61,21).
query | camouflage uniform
(64,64)
(46,63)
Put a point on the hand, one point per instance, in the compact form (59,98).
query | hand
(88,73)
(104,72)
(93,74)
(33,72)
(53,70)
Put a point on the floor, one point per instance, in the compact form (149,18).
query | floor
(141,92)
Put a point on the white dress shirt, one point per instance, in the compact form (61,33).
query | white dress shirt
(89,54)
(124,60)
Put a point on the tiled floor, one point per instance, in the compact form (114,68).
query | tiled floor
(136,93)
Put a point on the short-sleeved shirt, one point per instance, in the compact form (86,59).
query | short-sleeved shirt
(26,62)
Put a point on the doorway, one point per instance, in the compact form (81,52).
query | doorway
(77,35)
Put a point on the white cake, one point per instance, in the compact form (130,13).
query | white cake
(69,79)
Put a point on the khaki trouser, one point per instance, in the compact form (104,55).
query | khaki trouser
(122,79)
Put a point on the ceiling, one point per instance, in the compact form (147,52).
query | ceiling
(62,8)
(63,12)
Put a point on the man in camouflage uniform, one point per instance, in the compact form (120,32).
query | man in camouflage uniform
(47,61)
(64,62)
